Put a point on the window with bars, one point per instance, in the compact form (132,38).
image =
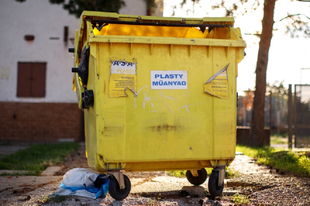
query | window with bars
(31,79)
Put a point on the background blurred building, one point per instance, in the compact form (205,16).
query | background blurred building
(36,98)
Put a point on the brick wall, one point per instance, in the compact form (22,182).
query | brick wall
(40,122)
(243,136)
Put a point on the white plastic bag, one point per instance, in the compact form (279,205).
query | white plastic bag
(81,182)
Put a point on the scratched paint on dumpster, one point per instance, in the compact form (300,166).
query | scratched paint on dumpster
(217,85)
(123,76)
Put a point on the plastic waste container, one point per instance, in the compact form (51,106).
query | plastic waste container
(157,94)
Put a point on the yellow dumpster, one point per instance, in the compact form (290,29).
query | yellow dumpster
(157,94)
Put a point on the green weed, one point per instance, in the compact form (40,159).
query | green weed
(182,173)
(278,139)
(240,199)
(178,173)
(43,199)
(231,173)
(286,161)
(52,198)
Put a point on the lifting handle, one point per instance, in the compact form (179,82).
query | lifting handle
(71,50)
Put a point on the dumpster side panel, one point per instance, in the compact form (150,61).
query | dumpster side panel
(93,124)
(225,109)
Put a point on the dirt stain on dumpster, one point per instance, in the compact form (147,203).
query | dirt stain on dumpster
(161,128)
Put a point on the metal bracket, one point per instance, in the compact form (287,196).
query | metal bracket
(194,173)
(221,177)
(221,172)
(120,179)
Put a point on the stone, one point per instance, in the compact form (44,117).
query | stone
(194,191)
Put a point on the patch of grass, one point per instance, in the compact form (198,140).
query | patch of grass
(231,173)
(240,199)
(209,171)
(278,139)
(286,161)
(182,173)
(52,198)
(177,173)
(43,199)
(37,158)
(281,134)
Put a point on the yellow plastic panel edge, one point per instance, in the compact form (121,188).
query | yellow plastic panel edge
(169,40)
(109,15)
(91,14)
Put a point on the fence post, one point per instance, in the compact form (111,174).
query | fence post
(289,116)
(270,110)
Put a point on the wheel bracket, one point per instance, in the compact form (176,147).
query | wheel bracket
(221,172)
(194,173)
(120,179)
(221,177)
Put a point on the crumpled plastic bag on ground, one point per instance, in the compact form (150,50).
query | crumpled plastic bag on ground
(84,182)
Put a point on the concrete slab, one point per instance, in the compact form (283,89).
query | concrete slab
(51,170)
(21,182)
(13,172)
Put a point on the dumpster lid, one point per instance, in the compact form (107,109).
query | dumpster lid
(114,18)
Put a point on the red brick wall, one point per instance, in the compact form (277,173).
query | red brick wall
(40,122)
(243,136)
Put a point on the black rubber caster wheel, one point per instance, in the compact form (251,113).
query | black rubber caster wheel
(214,189)
(201,178)
(116,192)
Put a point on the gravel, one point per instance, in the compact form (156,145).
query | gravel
(253,185)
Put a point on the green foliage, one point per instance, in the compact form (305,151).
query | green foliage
(231,173)
(43,199)
(182,173)
(37,158)
(52,198)
(278,139)
(150,4)
(76,7)
(178,173)
(277,88)
(286,161)
(240,199)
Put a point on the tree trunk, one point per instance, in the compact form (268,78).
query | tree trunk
(258,115)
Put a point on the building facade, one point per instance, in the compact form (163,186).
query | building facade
(36,98)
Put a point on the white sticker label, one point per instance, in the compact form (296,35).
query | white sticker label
(122,67)
(168,79)
(123,76)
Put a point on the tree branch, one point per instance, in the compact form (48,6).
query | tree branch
(291,15)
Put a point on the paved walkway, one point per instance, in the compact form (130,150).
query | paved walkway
(9,149)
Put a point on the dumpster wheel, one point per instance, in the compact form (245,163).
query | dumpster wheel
(197,180)
(114,188)
(214,188)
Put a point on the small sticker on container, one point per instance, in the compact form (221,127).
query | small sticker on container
(168,79)
(123,76)
(217,85)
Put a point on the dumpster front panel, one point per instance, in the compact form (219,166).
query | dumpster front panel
(151,125)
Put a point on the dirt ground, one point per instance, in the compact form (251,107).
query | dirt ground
(254,185)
